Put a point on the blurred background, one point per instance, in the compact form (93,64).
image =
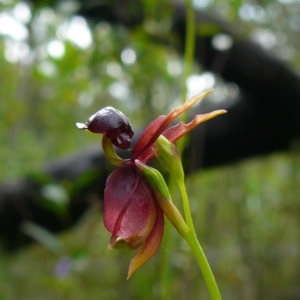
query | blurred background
(60,62)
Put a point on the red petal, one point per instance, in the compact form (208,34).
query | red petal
(175,132)
(129,206)
(158,126)
(151,245)
(149,136)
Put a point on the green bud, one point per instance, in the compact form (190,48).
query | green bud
(168,156)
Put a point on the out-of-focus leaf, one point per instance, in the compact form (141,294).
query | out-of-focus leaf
(43,237)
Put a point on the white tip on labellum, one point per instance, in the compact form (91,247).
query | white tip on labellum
(81,126)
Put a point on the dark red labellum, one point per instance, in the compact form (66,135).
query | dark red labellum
(113,124)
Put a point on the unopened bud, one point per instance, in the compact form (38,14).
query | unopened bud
(168,156)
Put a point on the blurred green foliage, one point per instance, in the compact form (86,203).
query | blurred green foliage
(53,79)
(246,215)
(247,219)
(58,69)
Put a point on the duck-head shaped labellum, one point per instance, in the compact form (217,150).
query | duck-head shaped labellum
(113,124)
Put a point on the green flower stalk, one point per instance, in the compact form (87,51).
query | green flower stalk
(169,158)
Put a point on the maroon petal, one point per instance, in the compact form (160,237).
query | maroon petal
(158,126)
(175,132)
(129,207)
(149,136)
(151,245)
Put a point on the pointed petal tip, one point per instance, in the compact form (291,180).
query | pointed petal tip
(151,245)
(207,92)
(220,111)
(205,117)
(199,97)
(81,126)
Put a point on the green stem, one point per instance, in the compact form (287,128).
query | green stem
(189,51)
(189,235)
(186,204)
(192,240)
(165,272)
(189,46)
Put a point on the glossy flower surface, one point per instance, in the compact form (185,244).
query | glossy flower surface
(132,213)
(113,124)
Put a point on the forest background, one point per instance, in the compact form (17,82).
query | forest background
(62,61)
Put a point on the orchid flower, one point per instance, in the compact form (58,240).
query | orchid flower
(134,207)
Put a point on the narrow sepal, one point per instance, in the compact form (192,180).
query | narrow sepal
(145,148)
(175,132)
